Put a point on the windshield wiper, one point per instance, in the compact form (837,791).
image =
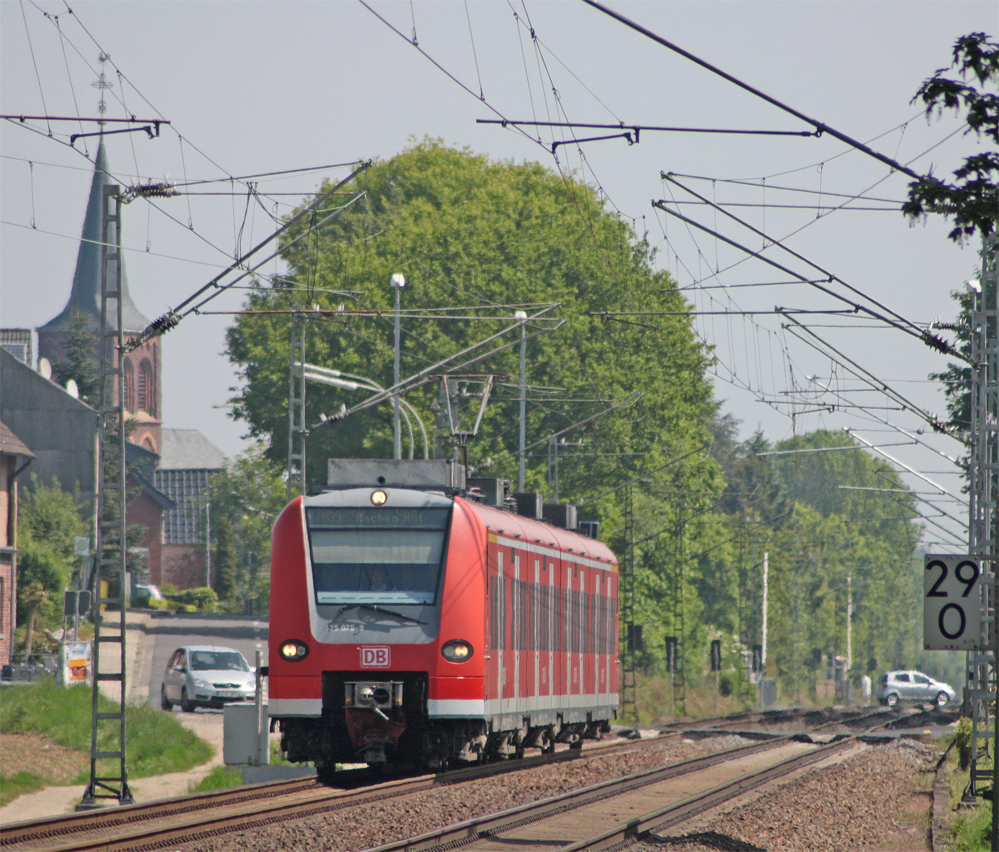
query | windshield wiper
(379,610)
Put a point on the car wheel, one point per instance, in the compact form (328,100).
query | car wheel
(185,702)
(942,699)
(165,702)
(891,700)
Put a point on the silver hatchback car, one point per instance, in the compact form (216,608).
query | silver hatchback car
(206,676)
(912,686)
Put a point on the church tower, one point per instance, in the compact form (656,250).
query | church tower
(143,367)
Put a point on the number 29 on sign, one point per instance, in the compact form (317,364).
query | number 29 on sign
(952,602)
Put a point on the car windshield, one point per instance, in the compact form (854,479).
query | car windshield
(376,555)
(215,661)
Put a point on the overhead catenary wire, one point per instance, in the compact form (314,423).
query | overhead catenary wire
(170,319)
(797,255)
(905,326)
(818,125)
(871,379)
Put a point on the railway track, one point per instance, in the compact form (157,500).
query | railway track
(205,817)
(632,805)
(171,821)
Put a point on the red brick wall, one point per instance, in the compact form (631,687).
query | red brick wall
(183,565)
(8,559)
(7,590)
(147,512)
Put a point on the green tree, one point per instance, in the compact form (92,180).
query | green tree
(249,493)
(48,522)
(224,579)
(42,575)
(81,363)
(972,200)
(52,516)
(467,231)
(474,234)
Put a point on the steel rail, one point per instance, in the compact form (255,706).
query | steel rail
(678,812)
(196,817)
(492,824)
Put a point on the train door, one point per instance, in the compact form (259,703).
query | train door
(511,657)
(496,629)
(592,587)
(525,570)
(534,610)
(546,655)
(572,643)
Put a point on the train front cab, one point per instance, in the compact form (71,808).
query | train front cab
(390,674)
(516,649)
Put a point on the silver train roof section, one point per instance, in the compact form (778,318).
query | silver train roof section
(420,474)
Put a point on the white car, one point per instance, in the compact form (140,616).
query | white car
(912,686)
(206,676)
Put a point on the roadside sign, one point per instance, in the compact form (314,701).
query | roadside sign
(952,602)
(81,546)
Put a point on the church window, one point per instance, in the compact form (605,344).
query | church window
(129,386)
(146,388)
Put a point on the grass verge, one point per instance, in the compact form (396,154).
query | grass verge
(220,778)
(12,786)
(157,744)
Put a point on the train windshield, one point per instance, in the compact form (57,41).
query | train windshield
(377,555)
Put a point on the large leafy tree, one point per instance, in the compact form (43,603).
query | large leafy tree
(971,200)
(472,233)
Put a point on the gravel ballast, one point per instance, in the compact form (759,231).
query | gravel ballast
(851,805)
(857,805)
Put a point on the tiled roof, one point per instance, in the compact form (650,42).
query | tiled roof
(186,449)
(11,444)
(184,524)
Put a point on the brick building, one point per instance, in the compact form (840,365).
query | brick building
(14,458)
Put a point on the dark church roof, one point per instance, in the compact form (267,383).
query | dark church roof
(86,293)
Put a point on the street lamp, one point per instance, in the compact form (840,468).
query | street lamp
(398,281)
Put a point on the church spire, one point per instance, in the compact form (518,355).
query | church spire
(86,293)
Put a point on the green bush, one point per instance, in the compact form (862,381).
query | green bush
(146,602)
(202,598)
(962,742)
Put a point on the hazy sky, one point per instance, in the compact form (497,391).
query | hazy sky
(260,87)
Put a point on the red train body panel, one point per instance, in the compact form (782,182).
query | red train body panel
(412,627)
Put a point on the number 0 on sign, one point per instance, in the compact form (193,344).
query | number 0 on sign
(952,603)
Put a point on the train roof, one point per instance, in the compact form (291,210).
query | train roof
(531,531)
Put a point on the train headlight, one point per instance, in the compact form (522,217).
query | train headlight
(293,651)
(457,651)
(379,498)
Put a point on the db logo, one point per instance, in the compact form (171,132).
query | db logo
(375,657)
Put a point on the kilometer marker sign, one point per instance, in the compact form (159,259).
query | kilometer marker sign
(952,602)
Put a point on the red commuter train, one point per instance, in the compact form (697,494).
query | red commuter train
(415,627)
